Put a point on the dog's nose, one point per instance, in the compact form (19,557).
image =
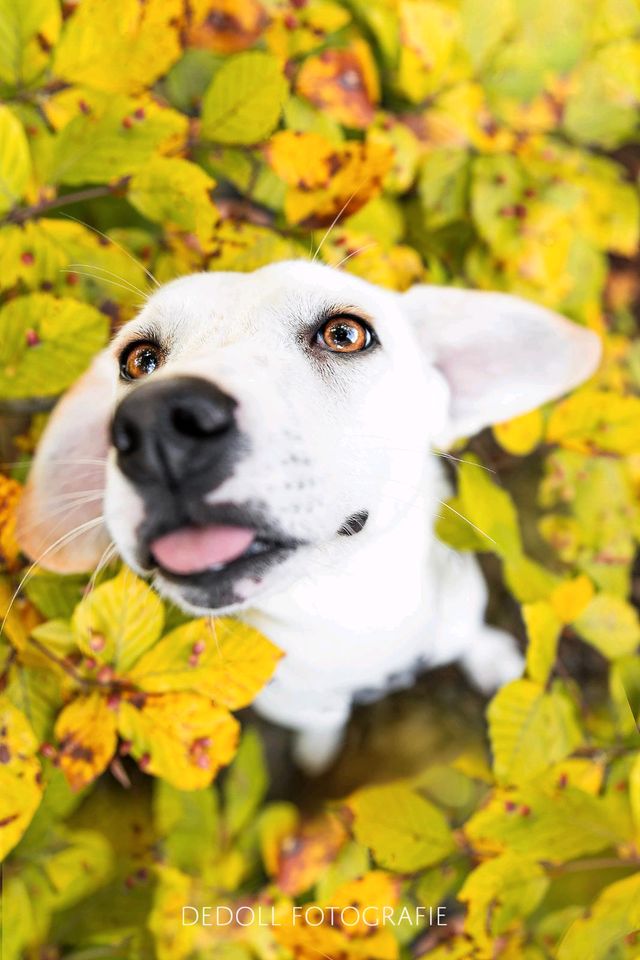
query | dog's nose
(175,432)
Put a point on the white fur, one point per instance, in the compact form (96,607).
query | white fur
(331,436)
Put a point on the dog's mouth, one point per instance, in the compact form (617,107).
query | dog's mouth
(192,550)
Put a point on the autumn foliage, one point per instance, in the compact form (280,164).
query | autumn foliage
(488,143)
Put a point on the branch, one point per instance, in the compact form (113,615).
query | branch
(21,214)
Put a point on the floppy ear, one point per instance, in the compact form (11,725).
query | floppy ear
(66,482)
(500,355)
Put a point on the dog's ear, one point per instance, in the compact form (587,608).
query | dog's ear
(67,477)
(500,355)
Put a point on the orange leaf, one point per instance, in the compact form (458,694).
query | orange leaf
(86,731)
(344,82)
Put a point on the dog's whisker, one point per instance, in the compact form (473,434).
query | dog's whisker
(114,283)
(354,253)
(470,463)
(336,219)
(61,541)
(466,520)
(64,508)
(107,556)
(109,273)
(126,252)
(13,464)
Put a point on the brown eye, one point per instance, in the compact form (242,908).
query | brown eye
(139,360)
(345,335)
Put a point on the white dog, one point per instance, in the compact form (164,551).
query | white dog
(264,445)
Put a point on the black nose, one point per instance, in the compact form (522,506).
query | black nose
(175,432)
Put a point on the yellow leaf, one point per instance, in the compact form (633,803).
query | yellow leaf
(343,82)
(29,30)
(119,46)
(610,625)
(376,889)
(118,621)
(223,659)
(530,730)
(596,420)
(15,160)
(244,100)
(543,629)
(225,26)
(10,493)
(571,597)
(277,823)
(404,831)
(20,786)
(488,508)
(614,915)
(499,894)
(325,178)
(181,737)
(86,732)
(521,435)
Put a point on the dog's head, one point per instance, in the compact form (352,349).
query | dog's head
(244,426)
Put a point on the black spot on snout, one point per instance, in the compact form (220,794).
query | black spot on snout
(354,524)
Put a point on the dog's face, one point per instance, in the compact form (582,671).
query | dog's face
(255,426)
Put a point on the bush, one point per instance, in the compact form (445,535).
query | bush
(490,143)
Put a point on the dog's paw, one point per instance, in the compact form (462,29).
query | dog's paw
(314,750)
(493,659)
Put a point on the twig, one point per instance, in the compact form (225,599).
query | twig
(21,214)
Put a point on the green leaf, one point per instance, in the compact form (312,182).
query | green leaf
(15,160)
(46,344)
(404,831)
(176,192)
(530,730)
(557,825)
(499,894)
(484,26)
(444,187)
(54,595)
(454,529)
(603,110)
(118,621)
(187,822)
(244,100)
(245,785)
(614,915)
(610,625)
(624,683)
(110,142)
(489,508)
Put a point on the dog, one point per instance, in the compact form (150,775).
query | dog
(265,444)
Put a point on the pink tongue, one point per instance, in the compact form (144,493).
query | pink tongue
(194,549)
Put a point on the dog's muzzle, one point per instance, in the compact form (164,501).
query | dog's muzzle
(179,434)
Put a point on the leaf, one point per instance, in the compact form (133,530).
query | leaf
(187,821)
(244,100)
(111,140)
(86,732)
(20,778)
(543,631)
(245,785)
(342,82)
(558,825)
(489,508)
(570,598)
(521,435)
(46,344)
(303,858)
(54,595)
(530,729)
(225,26)
(10,494)
(610,625)
(144,44)
(614,915)
(404,831)
(28,32)
(223,659)
(118,621)
(326,179)
(181,737)
(277,822)
(596,419)
(611,81)
(15,160)
(499,894)
(175,192)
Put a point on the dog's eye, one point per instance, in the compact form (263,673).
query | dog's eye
(139,360)
(345,334)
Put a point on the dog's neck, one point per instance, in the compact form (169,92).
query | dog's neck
(360,584)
